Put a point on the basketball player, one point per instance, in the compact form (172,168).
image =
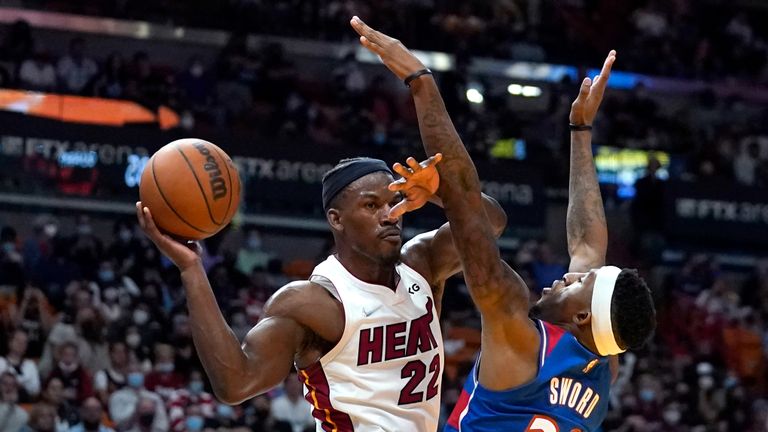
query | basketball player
(550,373)
(364,331)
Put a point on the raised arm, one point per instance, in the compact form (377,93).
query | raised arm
(509,337)
(585,221)
(236,373)
(434,253)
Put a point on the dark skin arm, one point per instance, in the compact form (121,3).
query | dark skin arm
(509,337)
(433,253)
(296,316)
(585,221)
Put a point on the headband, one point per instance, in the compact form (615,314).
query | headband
(602,326)
(346,173)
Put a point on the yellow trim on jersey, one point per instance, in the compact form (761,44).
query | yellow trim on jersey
(317,404)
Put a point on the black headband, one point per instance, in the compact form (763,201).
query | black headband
(348,172)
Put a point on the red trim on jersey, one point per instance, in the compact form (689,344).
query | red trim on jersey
(554,333)
(319,395)
(453,420)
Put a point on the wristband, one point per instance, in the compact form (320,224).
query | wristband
(413,76)
(579,128)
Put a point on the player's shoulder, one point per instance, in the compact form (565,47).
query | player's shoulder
(415,253)
(306,303)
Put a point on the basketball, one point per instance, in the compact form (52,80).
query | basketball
(191,187)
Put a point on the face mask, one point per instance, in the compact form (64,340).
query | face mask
(165,367)
(194,423)
(135,379)
(106,275)
(9,247)
(140,317)
(133,340)
(68,368)
(647,395)
(672,416)
(225,411)
(125,235)
(196,387)
(50,230)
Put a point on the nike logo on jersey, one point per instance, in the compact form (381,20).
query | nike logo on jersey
(398,340)
(368,312)
(570,393)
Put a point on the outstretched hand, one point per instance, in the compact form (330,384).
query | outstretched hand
(183,255)
(418,184)
(391,51)
(584,108)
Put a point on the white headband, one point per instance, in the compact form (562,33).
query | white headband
(602,294)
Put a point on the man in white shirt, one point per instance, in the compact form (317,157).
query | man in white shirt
(291,408)
(12,416)
(75,70)
(24,369)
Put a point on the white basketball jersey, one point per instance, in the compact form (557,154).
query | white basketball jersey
(385,372)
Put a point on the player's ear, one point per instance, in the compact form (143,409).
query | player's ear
(334,219)
(582,317)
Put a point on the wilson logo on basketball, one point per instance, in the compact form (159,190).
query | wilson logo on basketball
(218,185)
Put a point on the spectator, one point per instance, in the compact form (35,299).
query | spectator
(291,408)
(12,416)
(113,378)
(164,379)
(42,418)
(77,381)
(745,165)
(23,368)
(37,73)
(135,408)
(65,413)
(75,70)
(111,82)
(91,414)
(193,395)
(252,254)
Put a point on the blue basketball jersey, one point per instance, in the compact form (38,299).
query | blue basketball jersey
(569,393)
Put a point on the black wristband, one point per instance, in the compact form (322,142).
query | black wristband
(413,76)
(579,128)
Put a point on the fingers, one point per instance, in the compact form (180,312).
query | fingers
(140,215)
(398,185)
(602,80)
(399,209)
(363,30)
(413,164)
(400,169)
(435,159)
(374,48)
(583,90)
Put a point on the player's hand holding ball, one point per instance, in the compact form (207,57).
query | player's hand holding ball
(190,190)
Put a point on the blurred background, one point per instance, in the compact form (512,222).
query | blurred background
(94,326)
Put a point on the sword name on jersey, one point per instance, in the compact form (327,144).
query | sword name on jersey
(570,393)
(398,340)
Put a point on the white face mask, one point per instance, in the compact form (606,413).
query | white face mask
(140,317)
(672,416)
(50,230)
(133,340)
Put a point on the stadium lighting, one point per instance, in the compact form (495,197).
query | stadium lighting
(474,96)
(515,89)
(525,91)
